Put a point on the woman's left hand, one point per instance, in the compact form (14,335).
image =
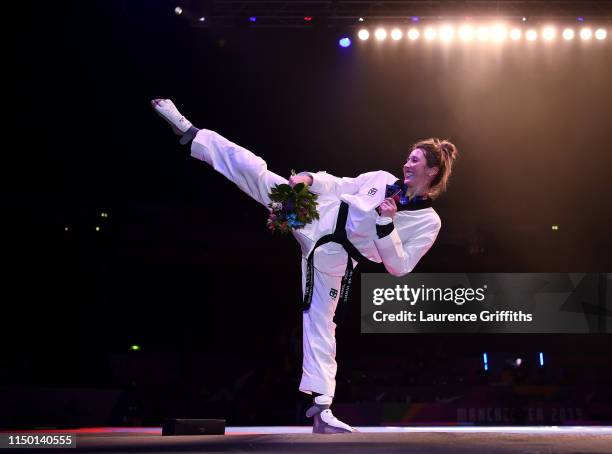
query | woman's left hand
(388,208)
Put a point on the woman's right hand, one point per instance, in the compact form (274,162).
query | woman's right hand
(296,179)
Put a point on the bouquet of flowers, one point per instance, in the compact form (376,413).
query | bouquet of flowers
(291,207)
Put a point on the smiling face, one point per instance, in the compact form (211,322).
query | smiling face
(417,175)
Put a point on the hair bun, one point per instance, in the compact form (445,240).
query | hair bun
(449,149)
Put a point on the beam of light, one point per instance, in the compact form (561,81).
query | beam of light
(396,34)
(515,34)
(549,33)
(430,34)
(586,34)
(447,33)
(541,358)
(413,34)
(568,34)
(380,34)
(466,32)
(531,35)
(363,34)
(600,34)
(345,42)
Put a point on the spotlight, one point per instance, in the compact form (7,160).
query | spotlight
(203,19)
(307,18)
(430,34)
(568,34)
(586,33)
(483,33)
(253,19)
(413,34)
(600,34)
(345,42)
(361,19)
(548,33)
(446,33)
(396,34)
(363,34)
(178,10)
(499,33)
(524,19)
(531,35)
(541,359)
(380,34)
(515,34)
(466,33)
(414,18)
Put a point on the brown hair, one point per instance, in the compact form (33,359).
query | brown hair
(438,153)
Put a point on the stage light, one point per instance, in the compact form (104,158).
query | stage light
(499,33)
(363,35)
(485,361)
(380,34)
(307,18)
(586,34)
(97,229)
(518,362)
(345,42)
(135,347)
(202,19)
(413,34)
(103,215)
(483,33)
(600,34)
(515,34)
(430,34)
(549,33)
(361,19)
(178,10)
(447,33)
(580,19)
(466,33)
(568,34)
(541,359)
(253,19)
(524,19)
(414,18)
(396,34)
(531,35)
(66,229)
(555,227)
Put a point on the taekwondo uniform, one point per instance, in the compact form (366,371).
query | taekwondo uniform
(398,245)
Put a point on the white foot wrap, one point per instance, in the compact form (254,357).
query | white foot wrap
(168,111)
(328,418)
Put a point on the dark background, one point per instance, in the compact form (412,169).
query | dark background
(183,265)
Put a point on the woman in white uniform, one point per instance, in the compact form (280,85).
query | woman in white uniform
(373,216)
